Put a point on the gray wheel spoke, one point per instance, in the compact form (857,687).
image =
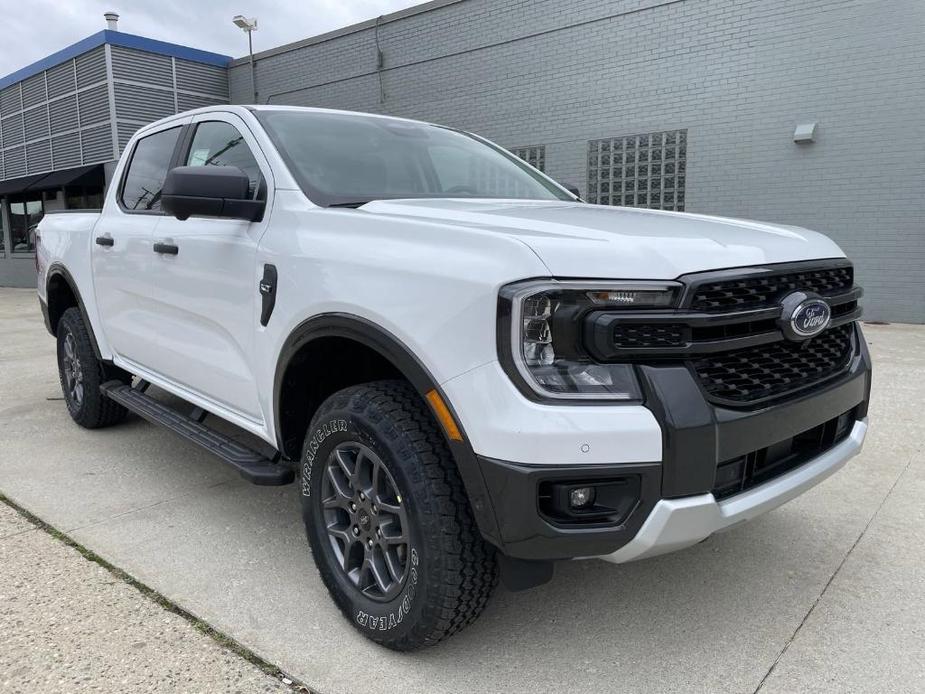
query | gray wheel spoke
(338,484)
(380,573)
(365,521)
(348,466)
(392,563)
(393,509)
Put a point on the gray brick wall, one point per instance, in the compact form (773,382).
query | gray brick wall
(737,75)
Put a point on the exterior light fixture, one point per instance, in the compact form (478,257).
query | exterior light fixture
(249,26)
(805,132)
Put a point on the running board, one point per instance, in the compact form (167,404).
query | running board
(253,466)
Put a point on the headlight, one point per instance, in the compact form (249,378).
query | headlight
(541,328)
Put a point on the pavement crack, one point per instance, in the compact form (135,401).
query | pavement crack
(835,573)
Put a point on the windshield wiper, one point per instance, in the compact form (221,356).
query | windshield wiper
(352,203)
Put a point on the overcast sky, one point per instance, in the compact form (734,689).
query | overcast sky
(34,28)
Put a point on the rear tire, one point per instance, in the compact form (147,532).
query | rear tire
(81,375)
(388,519)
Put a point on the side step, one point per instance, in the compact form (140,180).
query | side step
(253,467)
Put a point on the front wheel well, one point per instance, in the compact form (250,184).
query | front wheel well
(317,370)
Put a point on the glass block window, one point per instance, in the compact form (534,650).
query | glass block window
(639,170)
(535,156)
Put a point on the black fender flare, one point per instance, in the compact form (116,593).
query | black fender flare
(56,269)
(369,334)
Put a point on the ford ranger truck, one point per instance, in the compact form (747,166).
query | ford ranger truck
(467,371)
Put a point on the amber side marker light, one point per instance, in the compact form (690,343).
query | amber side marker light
(443,414)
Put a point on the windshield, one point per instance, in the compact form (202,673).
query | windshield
(349,159)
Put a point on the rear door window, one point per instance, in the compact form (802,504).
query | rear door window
(141,189)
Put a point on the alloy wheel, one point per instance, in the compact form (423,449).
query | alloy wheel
(73,372)
(366,521)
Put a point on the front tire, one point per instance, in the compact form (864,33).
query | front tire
(81,375)
(388,519)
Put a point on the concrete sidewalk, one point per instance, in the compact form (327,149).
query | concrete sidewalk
(825,594)
(69,625)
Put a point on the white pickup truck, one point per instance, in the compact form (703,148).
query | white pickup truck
(469,370)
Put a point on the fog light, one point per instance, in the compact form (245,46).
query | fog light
(581,497)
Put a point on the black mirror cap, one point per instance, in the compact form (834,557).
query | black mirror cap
(573,189)
(209,191)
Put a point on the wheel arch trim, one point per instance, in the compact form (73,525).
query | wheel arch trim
(373,336)
(56,270)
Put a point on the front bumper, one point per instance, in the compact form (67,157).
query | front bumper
(675,506)
(678,523)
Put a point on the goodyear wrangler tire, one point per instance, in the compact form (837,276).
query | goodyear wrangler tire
(81,374)
(388,520)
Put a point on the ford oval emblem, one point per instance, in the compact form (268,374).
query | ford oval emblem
(804,315)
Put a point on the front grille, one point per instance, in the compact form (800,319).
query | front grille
(750,470)
(766,290)
(649,335)
(728,329)
(760,373)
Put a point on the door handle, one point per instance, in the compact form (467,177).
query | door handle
(105,241)
(166,248)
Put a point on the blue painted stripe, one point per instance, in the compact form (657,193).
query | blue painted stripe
(115,38)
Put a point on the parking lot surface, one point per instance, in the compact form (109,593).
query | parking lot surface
(824,594)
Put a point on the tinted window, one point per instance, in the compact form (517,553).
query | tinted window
(26,211)
(220,144)
(148,169)
(351,158)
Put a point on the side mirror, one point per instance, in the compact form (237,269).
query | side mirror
(573,189)
(209,191)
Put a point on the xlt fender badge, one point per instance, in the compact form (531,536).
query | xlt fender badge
(268,293)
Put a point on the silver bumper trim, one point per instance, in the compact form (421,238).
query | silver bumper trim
(677,523)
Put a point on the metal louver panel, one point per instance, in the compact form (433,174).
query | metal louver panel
(139,66)
(142,103)
(96,144)
(190,101)
(93,105)
(11,130)
(60,79)
(63,114)
(33,90)
(14,162)
(10,100)
(36,122)
(91,67)
(206,79)
(39,156)
(126,130)
(66,150)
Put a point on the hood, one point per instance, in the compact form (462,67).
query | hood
(580,240)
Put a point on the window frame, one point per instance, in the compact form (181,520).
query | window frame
(185,146)
(172,162)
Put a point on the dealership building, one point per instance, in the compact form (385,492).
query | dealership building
(801,112)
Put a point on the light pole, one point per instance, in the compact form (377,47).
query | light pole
(249,26)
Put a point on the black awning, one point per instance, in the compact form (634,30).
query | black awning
(65,177)
(18,185)
(55,179)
